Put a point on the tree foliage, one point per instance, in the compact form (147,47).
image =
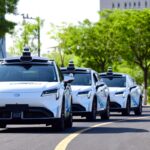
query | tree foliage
(6,7)
(118,35)
(92,42)
(133,35)
(26,35)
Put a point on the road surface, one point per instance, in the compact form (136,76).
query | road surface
(119,133)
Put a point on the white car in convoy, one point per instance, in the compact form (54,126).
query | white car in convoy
(125,94)
(90,96)
(33,91)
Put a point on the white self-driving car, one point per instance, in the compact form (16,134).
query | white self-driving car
(33,91)
(125,94)
(90,96)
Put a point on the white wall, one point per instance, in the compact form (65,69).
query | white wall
(108,4)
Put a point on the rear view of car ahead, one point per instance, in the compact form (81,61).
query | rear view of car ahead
(33,91)
(125,94)
(90,96)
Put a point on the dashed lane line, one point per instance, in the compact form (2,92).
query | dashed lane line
(65,142)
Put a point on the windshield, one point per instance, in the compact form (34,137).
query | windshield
(115,81)
(81,79)
(38,73)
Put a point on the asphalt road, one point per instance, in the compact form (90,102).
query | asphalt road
(119,133)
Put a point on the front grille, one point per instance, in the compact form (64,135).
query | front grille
(78,107)
(37,113)
(5,114)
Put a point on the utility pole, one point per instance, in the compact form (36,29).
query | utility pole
(24,23)
(39,35)
(38,30)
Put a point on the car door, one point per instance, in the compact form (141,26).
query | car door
(100,93)
(67,93)
(134,94)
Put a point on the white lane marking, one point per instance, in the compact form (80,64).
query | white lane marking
(65,142)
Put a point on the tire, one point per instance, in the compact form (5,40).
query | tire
(68,121)
(106,113)
(59,125)
(2,125)
(138,110)
(92,115)
(126,112)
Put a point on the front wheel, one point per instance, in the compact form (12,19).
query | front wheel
(126,112)
(138,110)
(59,125)
(105,115)
(92,115)
(68,121)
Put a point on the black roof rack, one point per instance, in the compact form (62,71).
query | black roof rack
(26,55)
(71,65)
(26,58)
(72,69)
(109,71)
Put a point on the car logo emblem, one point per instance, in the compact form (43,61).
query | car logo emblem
(16,94)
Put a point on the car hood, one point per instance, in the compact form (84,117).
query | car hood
(80,88)
(116,89)
(9,87)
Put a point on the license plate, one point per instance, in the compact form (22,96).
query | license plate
(16,115)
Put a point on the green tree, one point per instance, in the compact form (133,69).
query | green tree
(26,34)
(6,7)
(59,54)
(133,35)
(92,42)
(61,59)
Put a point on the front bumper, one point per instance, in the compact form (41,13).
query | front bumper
(79,110)
(117,103)
(23,114)
(81,105)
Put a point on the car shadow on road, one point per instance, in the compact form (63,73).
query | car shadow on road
(116,130)
(95,130)
(34,130)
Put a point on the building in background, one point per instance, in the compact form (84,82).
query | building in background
(2,48)
(124,4)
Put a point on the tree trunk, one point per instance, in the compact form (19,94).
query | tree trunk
(61,57)
(102,67)
(145,85)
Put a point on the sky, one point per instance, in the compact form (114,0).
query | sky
(57,11)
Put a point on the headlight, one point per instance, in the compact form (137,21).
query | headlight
(88,93)
(121,93)
(50,92)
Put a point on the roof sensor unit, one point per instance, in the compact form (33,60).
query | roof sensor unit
(71,65)
(26,55)
(109,71)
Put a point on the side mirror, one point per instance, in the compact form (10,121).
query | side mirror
(132,87)
(99,84)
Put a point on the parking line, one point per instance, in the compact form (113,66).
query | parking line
(65,142)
